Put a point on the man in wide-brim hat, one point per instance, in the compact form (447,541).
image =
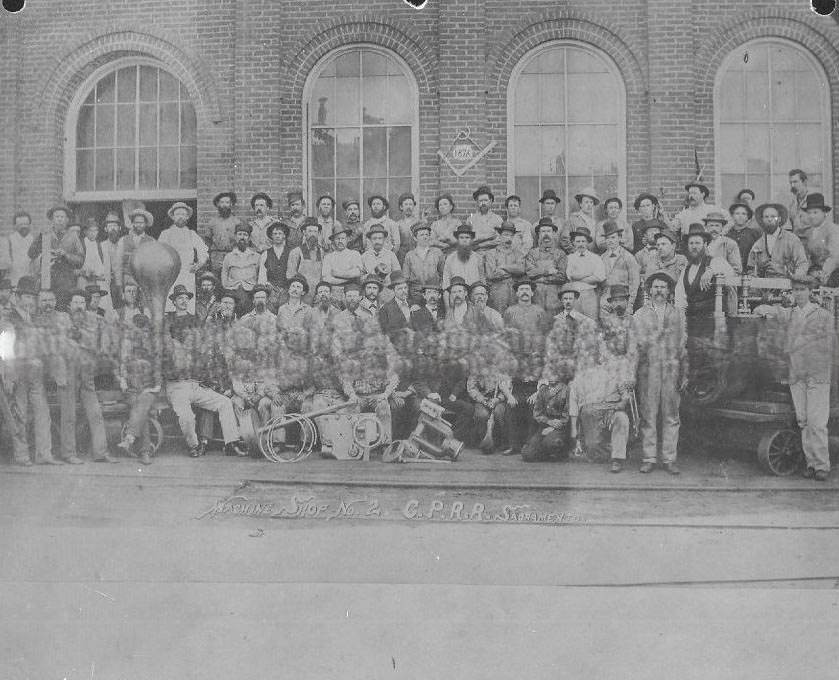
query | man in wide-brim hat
(463,262)
(583,217)
(220,230)
(189,245)
(586,269)
(545,265)
(502,265)
(778,252)
(822,245)
(721,245)
(697,208)
(61,253)
(621,267)
(379,206)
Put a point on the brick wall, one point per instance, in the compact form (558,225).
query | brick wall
(246,62)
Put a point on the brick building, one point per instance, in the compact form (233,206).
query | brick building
(113,100)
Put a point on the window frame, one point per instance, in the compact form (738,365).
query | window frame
(622,155)
(70,192)
(308,87)
(826,116)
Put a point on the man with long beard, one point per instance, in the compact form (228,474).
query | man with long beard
(352,225)
(140,221)
(325,219)
(406,204)
(261,204)
(220,230)
(297,214)
(488,319)
(306,260)
(504,264)
(777,252)
(260,319)
(483,220)
(240,269)
(463,262)
(206,299)
(61,254)
(546,266)
(662,372)
(324,311)
(379,206)
(110,248)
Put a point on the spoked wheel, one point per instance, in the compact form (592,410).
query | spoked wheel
(155,434)
(780,452)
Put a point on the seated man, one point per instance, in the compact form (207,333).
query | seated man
(293,386)
(551,415)
(492,393)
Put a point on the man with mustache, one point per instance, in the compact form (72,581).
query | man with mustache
(325,219)
(545,265)
(206,300)
(743,230)
(489,319)
(503,264)
(342,265)
(220,230)
(483,220)
(353,225)
(799,224)
(697,209)
(306,260)
(463,262)
(613,207)
(777,252)
(140,221)
(96,268)
(427,317)
(261,316)
(273,268)
(406,204)
(378,261)
(20,240)
(621,267)
(61,254)
(720,245)
(296,312)
(584,218)
(379,206)
(824,239)
(548,205)
(297,214)
(523,239)
(261,204)
(662,372)
(240,269)
(650,214)
(647,256)
(189,246)
(667,259)
(423,265)
(443,228)
(368,307)
(586,270)
(459,313)
(325,311)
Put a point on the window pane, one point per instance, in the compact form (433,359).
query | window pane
(348,140)
(347,188)
(148,168)
(188,124)
(189,167)
(169,87)
(400,109)
(375,152)
(527,99)
(375,100)
(757,149)
(400,152)
(732,153)
(169,177)
(84,127)
(126,121)
(528,189)
(552,96)
(806,86)
(84,170)
(588,98)
(125,168)
(91,98)
(105,89)
(783,95)
(148,125)
(321,187)
(346,105)
(551,152)
(553,61)
(809,147)
(784,146)
(105,170)
(104,126)
(321,108)
(527,147)
(757,96)
(323,150)
(148,84)
(373,64)
(127,84)
(169,124)
(731,95)
(348,64)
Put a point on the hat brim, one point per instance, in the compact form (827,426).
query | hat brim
(481,192)
(550,198)
(660,276)
(577,198)
(147,216)
(174,296)
(461,232)
(705,191)
(172,210)
(231,195)
(384,201)
(637,203)
(265,197)
(574,234)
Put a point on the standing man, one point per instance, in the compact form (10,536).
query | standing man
(696,210)
(777,252)
(423,265)
(96,267)
(406,204)
(261,204)
(667,259)
(545,265)
(823,244)
(240,268)
(548,205)
(662,372)
(297,214)
(650,213)
(463,262)
(295,312)
(206,300)
(613,207)
(798,205)
(443,228)
(110,248)
(325,220)
(587,199)
(483,220)
(189,246)
(306,259)
(273,268)
(647,256)
(378,261)
(396,314)
(61,254)
(810,345)
(353,225)
(743,231)
(720,245)
(379,206)
(523,240)
(503,265)
(342,265)
(20,241)
(220,231)
(620,266)
(586,270)
(141,221)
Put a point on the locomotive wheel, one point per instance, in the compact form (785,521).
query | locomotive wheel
(155,434)
(780,452)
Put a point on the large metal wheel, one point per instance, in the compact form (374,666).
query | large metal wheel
(780,452)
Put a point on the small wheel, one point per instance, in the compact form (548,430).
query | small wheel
(780,452)
(155,434)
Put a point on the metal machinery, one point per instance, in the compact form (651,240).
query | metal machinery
(431,440)
(738,383)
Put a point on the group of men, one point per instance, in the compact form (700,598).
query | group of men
(283,313)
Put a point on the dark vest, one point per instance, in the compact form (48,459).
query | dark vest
(700,309)
(276,269)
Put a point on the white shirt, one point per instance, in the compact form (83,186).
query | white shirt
(92,261)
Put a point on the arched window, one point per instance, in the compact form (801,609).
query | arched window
(772,114)
(361,125)
(131,133)
(566,117)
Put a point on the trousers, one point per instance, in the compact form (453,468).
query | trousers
(29,391)
(605,432)
(184,394)
(80,388)
(543,446)
(138,418)
(812,409)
